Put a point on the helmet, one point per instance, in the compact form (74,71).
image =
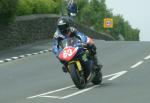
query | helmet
(63,25)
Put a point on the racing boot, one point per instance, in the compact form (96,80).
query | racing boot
(97,67)
(64,68)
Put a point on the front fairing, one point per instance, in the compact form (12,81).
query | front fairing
(71,49)
(68,53)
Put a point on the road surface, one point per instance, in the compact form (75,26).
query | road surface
(38,78)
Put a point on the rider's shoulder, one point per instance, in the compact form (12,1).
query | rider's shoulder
(73,29)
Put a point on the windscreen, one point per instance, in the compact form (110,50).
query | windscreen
(69,42)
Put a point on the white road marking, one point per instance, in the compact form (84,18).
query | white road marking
(41,52)
(1,61)
(61,89)
(34,53)
(22,56)
(137,64)
(28,54)
(113,76)
(14,57)
(148,57)
(47,96)
(8,59)
(79,92)
(46,50)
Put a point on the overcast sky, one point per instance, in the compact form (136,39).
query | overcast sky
(137,12)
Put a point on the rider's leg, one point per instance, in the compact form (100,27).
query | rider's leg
(97,65)
(92,49)
(64,68)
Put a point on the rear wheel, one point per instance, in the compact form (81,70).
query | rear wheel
(77,77)
(98,78)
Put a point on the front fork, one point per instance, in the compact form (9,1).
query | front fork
(78,65)
(87,73)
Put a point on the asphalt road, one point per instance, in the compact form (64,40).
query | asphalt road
(39,78)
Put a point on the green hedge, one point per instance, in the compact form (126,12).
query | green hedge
(27,7)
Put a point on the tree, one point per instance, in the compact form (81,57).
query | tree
(118,23)
(7,10)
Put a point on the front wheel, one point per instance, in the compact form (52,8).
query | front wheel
(77,76)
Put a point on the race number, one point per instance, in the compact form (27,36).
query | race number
(67,53)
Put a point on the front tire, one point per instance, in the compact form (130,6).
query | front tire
(77,77)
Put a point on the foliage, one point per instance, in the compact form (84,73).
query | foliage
(7,10)
(26,7)
(122,27)
(81,5)
(93,14)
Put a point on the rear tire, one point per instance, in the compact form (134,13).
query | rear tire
(77,78)
(98,78)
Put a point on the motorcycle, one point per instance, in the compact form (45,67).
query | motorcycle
(79,64)
(73,14)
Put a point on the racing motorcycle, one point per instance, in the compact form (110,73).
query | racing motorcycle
(79,64)
(73,14)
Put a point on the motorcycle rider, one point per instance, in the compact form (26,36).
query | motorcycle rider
(64,30)
(72,7)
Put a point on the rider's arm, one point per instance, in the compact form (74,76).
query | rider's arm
(82,37)
(57,38)
(54,46)
(76,33)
